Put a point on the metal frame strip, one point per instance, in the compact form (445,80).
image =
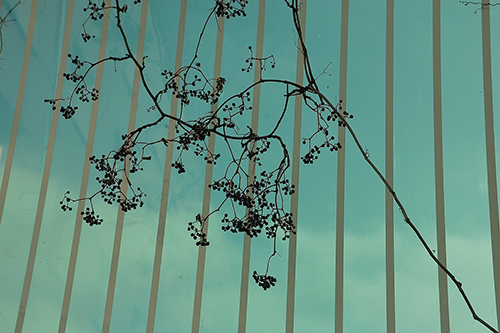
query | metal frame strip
(339,233)
(490,153)
(247,242)
(297,138)
(389,170)
(438,165)
(85,179)
(202,250)
(155,281)
(19,106)
(120,216)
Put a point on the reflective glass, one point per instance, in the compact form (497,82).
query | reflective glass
(141,271)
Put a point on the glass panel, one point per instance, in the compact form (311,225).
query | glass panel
(315,284)
(468,228)
(466,184)
(364,244)
(24,183)
(414,167)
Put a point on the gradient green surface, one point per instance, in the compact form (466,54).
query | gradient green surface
(417,304)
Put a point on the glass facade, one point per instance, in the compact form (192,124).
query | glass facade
(420,78)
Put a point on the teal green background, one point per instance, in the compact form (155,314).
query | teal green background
(417,305)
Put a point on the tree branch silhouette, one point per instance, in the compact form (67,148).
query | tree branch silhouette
(263,197)
(480,4)
(3,22)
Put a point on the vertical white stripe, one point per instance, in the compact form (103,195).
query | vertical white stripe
(292,252)
(438,165)
(245,275)
(245,267)
(85,178)
(8,166)
(48,160)
(119,221)
(202,250)
(19,107)
(153,299)
(389,170)
(339,233)
(490,154)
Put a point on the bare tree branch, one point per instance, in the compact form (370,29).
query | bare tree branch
(3,22)
(263,197)
(480,4)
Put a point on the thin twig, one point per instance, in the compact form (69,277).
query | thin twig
(481,5)
(366,156)
(3,22)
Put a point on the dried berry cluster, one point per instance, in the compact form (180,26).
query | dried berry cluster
(81,89)
(111,183)
(66,111)
(230,8)
(262,62)
(324,115)
(262,199)
(74,76)
(209,91)
(197,231)
(235,109)
(86,93)
(65,202)
(96,12)
(263,203)
(194,136)
(90,217)
(314,151)
(264,281)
